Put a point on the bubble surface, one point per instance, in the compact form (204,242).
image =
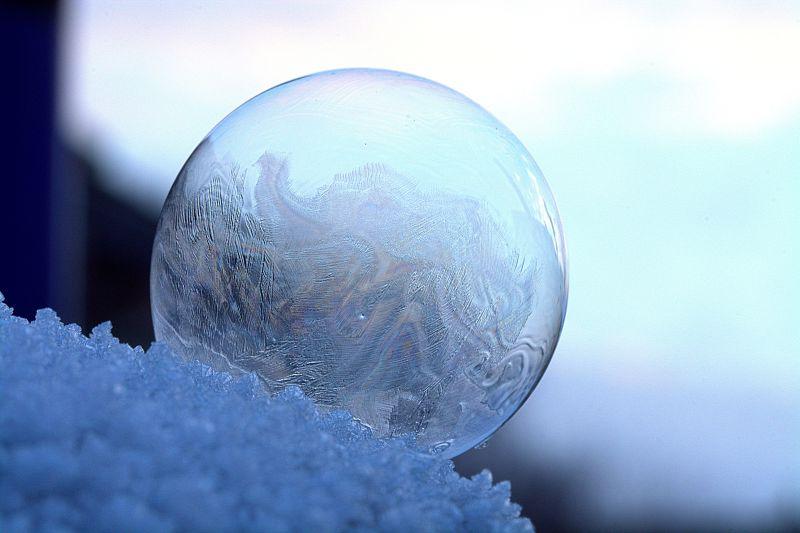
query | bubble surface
(378,240)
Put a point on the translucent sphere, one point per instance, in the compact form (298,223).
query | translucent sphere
(378,240)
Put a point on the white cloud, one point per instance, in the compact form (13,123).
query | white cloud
(738,71)
(152,79)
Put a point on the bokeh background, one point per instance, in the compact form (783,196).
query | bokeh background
(669,132)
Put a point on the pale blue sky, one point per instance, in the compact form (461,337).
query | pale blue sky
(670,135)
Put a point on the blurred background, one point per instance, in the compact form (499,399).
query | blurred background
(669,132)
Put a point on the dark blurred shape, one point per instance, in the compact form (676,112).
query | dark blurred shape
(27,41)
(546,493)
(107,259)
(66,243)
(119,241)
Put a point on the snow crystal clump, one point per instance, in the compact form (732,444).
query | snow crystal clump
(96,435)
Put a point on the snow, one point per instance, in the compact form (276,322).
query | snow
(96,435)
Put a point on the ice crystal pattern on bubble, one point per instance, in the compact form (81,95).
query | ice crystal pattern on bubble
(356,270)
(402,300)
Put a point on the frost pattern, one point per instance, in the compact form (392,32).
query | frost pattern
(404,307)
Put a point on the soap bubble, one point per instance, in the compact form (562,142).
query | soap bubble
(378,240)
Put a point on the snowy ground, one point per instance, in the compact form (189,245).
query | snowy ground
(95,435)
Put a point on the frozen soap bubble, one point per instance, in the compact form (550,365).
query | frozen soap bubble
(375,238)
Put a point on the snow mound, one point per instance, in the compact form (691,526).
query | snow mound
(96,435)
